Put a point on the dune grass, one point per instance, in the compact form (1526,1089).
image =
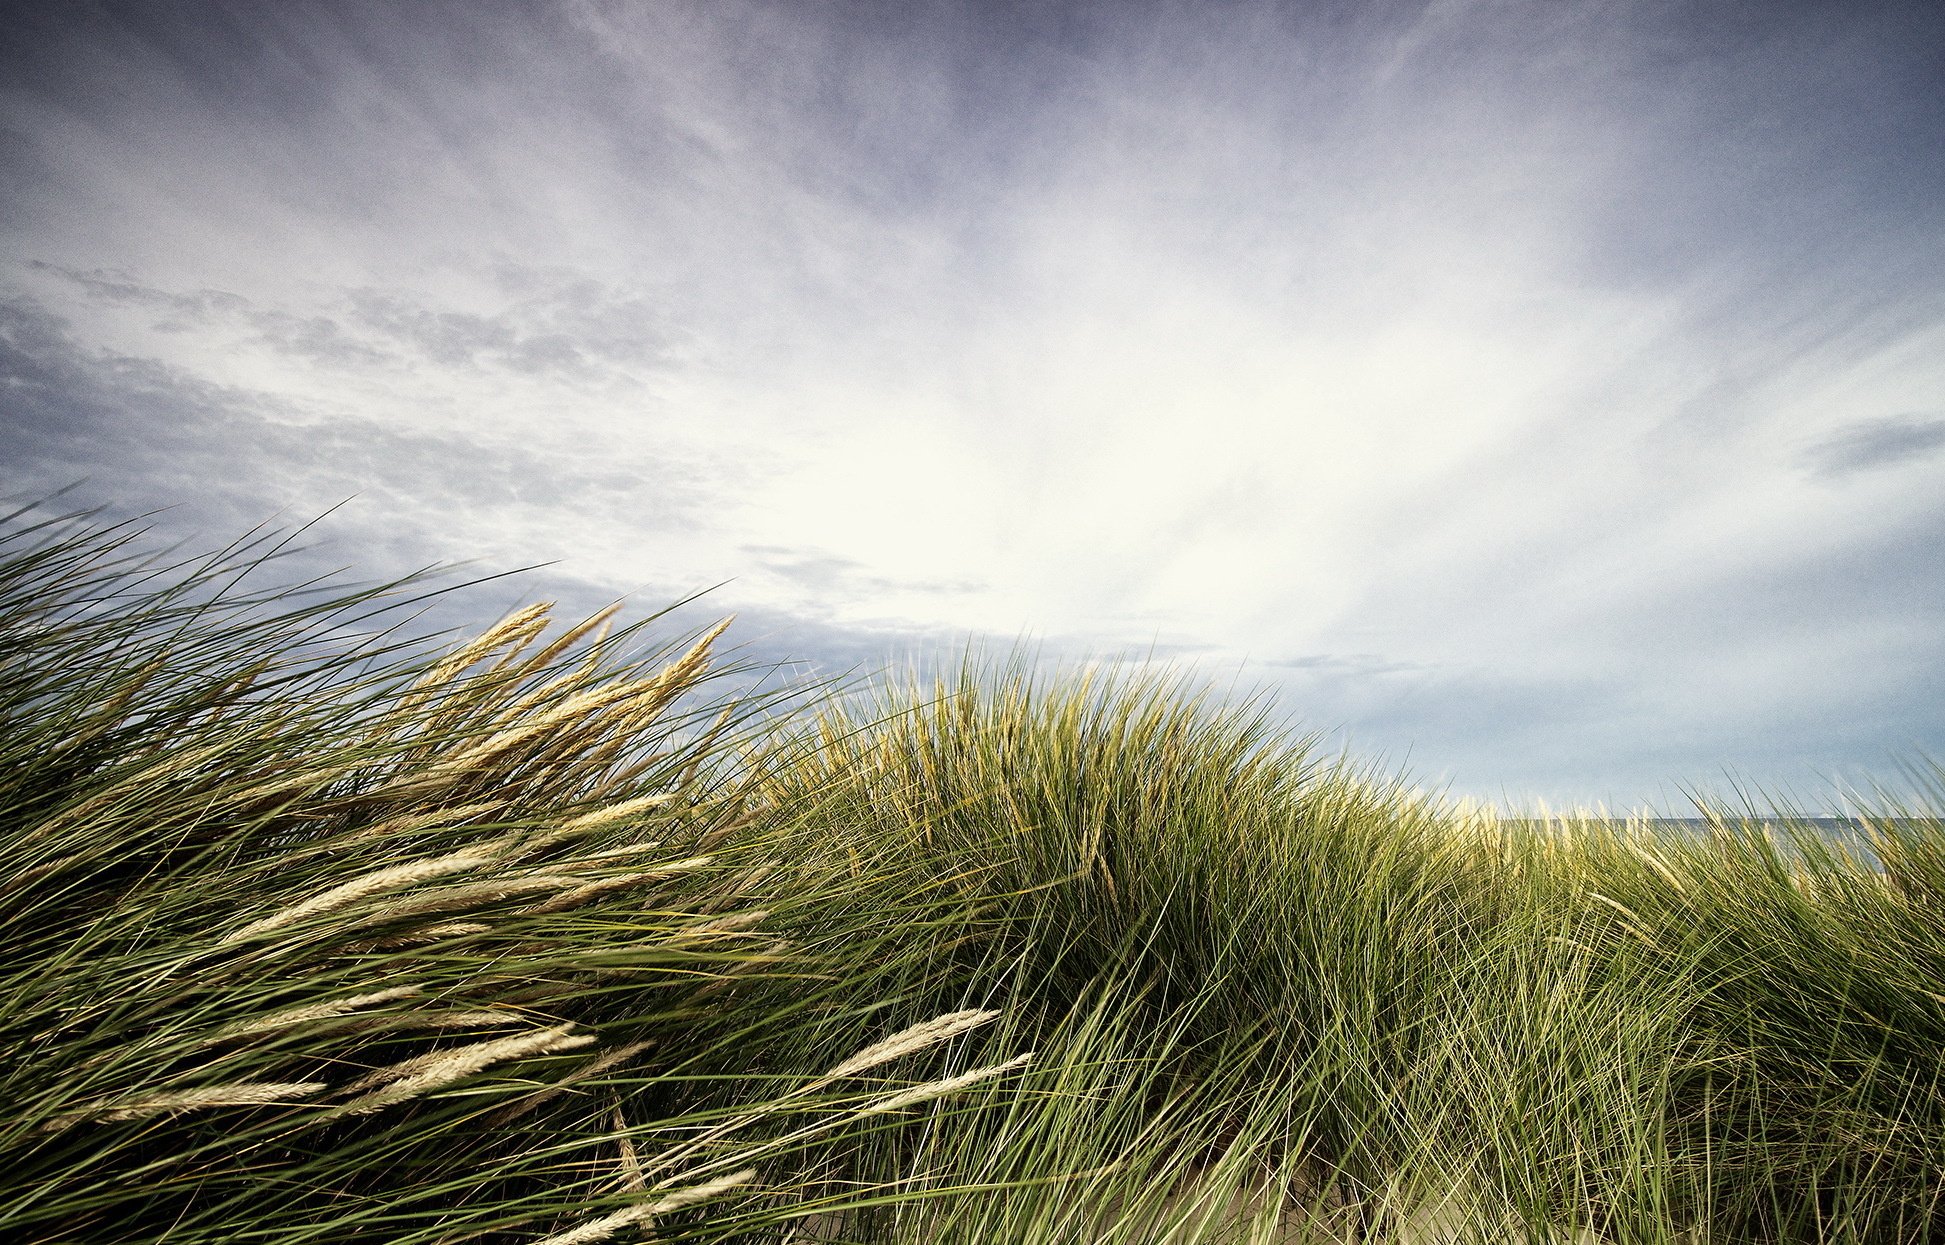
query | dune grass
(317,931)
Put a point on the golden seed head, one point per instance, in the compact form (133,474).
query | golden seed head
(907,1041)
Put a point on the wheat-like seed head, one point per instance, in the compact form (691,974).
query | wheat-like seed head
(906,1041)
(422,1074)
(938,1089)
(519,626)
(420,821)
(316,1011)
(587,1071)
(567,638)
(423,934)
(622,881)
(606,1226)
(471,895)
(610,854)
(632,1178)
(732,924)
(391,878)
(237,1094)
(613,813)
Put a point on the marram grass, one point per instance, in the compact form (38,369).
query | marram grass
(317,932)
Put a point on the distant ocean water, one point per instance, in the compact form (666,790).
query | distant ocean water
(1853,833)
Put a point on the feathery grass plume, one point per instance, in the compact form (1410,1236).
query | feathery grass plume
(949,1085)
(617,812)
(633,1178)
(478,1019)
(422,935)
(609,855)
(647,698)
(411,1078)
(377,882)
(411,822)
(735,923)
(469,895)
(598,619)
(519,627)
(479,758)
(325,1010)
(238,1094)
(604,1062)
(548,691)
(590,891)
(908,1041)
(608,1225)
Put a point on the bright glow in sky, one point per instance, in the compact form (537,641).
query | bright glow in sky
(1545,397)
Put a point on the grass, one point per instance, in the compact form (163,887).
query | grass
(315,931)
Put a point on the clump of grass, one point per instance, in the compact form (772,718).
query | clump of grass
(317,932)
(1278,997)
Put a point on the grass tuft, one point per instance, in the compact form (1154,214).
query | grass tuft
(317,931)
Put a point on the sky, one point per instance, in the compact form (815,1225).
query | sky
(1541,401)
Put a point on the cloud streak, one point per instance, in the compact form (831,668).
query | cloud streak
(1876,443)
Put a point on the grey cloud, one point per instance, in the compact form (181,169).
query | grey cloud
(556,322)
(569,326)
(1349,665)
(150,436)
(119,289)
(449,337)
(805,569)
(315,337)
(1872,444)
(828,575)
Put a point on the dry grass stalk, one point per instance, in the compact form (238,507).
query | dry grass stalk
(632,1178)
(27,877)
(651,695)
(518,627)
(448,817)
(317,1011)
(613,813)
(521,726)
(733,924)
(238,1094)
(593,1068)
(394,877)
(951,1084)
(625,851)
(517,710)
(587,704)
(607,886)
(478,1019)
(291,784)
(428,933)
(908,1041)
(608,1225)
(474,895)
(566,641)
(422,1074)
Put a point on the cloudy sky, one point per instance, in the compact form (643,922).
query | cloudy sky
(1544,399)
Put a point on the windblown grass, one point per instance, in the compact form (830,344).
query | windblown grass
(313,933)
(318,932)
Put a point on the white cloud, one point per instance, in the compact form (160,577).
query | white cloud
(1466,354)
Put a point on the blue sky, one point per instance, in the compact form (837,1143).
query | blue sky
(1543,399)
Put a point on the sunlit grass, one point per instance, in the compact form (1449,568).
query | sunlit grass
(315,931)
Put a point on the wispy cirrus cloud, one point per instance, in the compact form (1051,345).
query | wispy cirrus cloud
(1545,393)
(1871,444)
